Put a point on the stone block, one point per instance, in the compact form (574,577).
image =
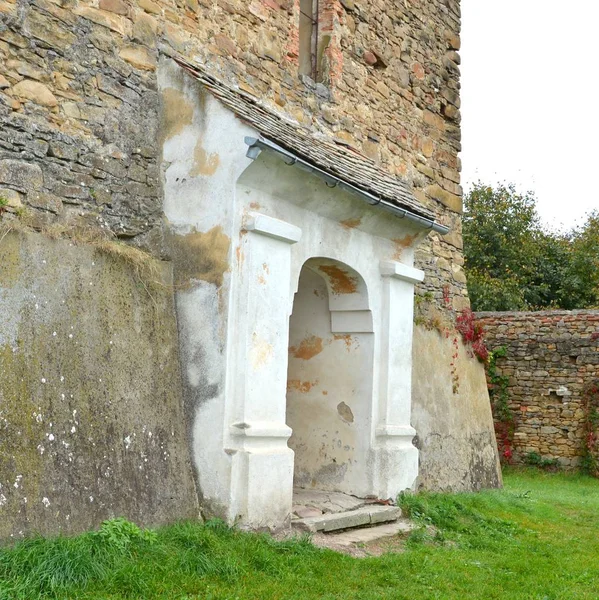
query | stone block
(106,19)
(35,92)
(23,176)
(139,57)
(48,31)
(116,6)
(452,201)
(13,198)
(48,202)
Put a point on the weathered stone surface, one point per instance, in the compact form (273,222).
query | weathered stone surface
(48,30)
(303,512)
(112,21)
(364,535)
(367,515)
(116,6)
(139,57)
(22,175)
(451,413)
(452,201)
(92,424)
(12,197)
(45,201)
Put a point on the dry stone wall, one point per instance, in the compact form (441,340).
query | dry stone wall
(80,114)
(551,357)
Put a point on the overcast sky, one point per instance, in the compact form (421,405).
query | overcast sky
(530,108)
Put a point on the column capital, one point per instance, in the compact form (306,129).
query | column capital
(398,270)
(274,228)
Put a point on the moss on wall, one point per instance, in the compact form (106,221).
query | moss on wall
(91,420)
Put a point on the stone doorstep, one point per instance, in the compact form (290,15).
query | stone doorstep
(326,502)
(365,516)
(365,535)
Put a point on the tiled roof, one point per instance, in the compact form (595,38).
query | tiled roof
(336,159)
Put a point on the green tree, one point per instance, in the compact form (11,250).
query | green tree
(513,263)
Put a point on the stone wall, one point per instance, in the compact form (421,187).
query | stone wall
(91,421)
(80,114)
(551,357)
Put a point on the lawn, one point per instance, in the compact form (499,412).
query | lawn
(536,539)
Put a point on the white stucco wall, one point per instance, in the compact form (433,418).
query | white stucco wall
(241,233)
(329,395)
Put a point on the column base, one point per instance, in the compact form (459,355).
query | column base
(395,461)
(262,477)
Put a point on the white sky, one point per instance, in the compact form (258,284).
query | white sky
(530,102)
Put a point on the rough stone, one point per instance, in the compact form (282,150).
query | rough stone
(45,201)
(13,198)
(139,57)
(36,92)
(23,176)
(368,515)
(547,379)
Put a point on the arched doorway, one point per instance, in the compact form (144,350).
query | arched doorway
(330,379)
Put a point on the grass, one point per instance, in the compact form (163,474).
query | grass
(537,539)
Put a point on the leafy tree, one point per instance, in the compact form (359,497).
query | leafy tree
(513,263)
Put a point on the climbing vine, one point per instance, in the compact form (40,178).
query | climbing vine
(472,334)
(452,325)
(590,404)
(505,421)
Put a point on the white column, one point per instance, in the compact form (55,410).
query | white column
(262,463)
(396,458)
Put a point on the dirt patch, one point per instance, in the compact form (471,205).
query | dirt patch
(401,244)
(303,387)
(200,256)
(308,348)
(341,282)
(204,163)
(351,223)
(177,112)
(346,338)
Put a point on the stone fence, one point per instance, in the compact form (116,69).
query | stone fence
(551,357)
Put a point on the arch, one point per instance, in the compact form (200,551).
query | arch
(347,293)
(330,379)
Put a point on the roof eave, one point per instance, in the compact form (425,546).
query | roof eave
(256,145)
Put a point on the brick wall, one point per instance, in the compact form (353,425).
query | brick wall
(551,357)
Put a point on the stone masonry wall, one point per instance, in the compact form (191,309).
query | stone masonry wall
(551,357)
(80,114)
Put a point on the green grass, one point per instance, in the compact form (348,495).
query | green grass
(537,539)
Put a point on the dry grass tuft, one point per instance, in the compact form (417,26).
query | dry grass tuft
(144,266)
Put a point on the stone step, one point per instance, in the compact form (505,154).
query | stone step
(364,535)
(361,517)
